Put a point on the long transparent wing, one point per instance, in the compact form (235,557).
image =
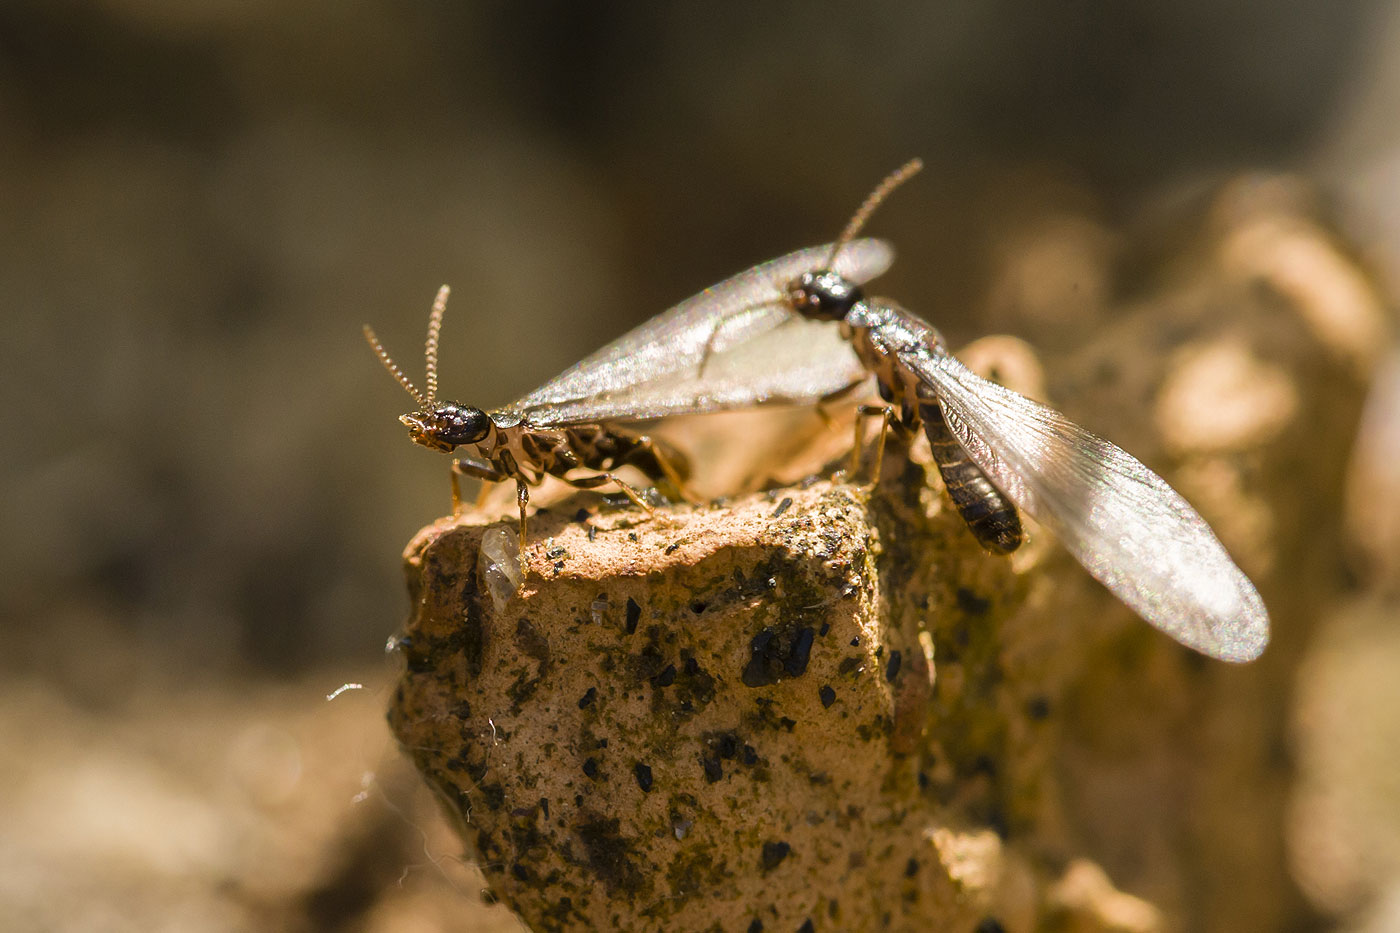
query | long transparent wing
(667,352)
(1132,531)
(797,362)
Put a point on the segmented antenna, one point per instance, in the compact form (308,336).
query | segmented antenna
(892,181)
(430,353)
(393,367)
(435,328)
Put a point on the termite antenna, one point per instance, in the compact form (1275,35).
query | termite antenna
(393,368)
(430,353)
(892,181)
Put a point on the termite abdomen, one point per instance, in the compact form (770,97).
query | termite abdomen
(990,517)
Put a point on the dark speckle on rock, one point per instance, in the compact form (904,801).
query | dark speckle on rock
(588,697)
(775,656)
(714,771)
(666,677)
(796,664)
(610,854)
(828,696)
(756,926)
(783,506)
(773,854)
(892,668)
(643,773)
(634,614)
(971,603)
(756,672)
(590,767)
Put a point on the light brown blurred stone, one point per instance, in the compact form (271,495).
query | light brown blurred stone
(237,805)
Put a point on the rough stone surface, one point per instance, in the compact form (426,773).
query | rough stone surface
(840,712)
(710,716)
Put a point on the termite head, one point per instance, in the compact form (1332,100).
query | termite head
(827,295)
(436,425)
(823,296)
(447,425)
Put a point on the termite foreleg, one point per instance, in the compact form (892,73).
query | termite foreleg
(474,469)
(522,499)
(481,495)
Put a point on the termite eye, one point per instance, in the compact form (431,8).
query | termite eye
(826,296)
(460,424)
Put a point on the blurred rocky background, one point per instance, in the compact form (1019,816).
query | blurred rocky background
(205,489)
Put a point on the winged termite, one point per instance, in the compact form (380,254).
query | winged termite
(996,448)
(732,346)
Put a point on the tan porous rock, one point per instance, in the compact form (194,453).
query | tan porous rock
(711,718)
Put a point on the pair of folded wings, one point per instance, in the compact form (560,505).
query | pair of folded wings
(735,345)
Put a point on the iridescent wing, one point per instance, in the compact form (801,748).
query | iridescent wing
(734,345)
(796,362)
(1130,530)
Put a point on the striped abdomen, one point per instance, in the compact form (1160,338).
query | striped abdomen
(990,516)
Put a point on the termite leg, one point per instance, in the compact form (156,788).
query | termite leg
(474,469)
(714,335)
(886,415)
(831,398)
(709,347)
(602,448)
(668,469)
(598,479)
(522,499)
